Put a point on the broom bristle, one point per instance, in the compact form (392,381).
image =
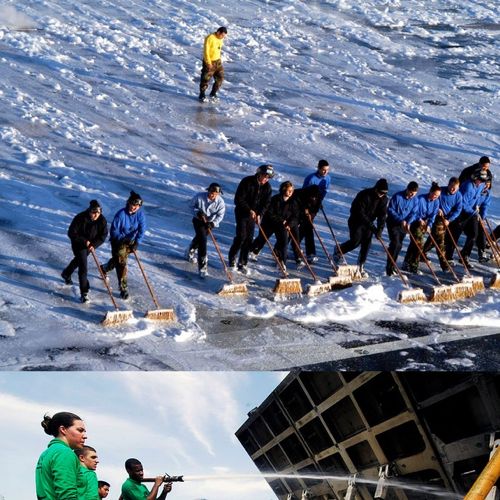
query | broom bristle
(234,289)
(338,282)
(313,290)
(464,290)
(116,317)
(443,293)
(288,286)
(349,271)
(495,281)
(413,295)
(161,315)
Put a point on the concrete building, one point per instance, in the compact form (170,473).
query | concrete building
(434,429)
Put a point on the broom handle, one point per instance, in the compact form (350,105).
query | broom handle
(393,262)
(490,241)
(146,279)
(283,270)
(297,246)
(441,254)
(103,276)
(459,253)
(334,267)
(333,234)
(424,258)
(495,243)
(229,276)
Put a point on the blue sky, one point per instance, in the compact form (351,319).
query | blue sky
(174,422)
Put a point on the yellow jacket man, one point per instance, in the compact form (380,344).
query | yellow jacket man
(212,63)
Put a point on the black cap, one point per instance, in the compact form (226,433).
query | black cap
(94,207)
(266,170)
(381,186)
(214,188)
(134,198)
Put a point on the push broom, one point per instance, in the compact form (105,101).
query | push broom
(158,313)
(335,281)
(463,289)
(411,294)
(317,288)
(440,293)
(230,288)
(477,281)
(112,317)
(495,280)
(284,286)
(343,269)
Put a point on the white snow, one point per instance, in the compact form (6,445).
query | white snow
(101,99)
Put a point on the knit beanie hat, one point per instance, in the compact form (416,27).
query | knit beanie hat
(94,206)
(381,186)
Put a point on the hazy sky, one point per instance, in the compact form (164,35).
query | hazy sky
(179,423)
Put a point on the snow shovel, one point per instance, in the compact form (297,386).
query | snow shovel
(317,288)
(112,317)
(404,296)
(338,281)
(156,314)
(440,293)
(284,286)
(231,288)
(343,269)
(495,280)
(463,289)
(477,281)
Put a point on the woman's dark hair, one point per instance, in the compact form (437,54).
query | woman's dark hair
(434,187)
(51,424)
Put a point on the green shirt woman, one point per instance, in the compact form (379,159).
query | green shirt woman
(58,467)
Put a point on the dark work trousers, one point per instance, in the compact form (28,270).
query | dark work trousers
(199,241)
(260,241)
(359,235)
(245,227)
(79,261)
(396,237)
(306,233)
(470,227)
(439,235)
(412,256)
(217,72)
(119,252)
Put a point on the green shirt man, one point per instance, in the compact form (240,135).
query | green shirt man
(87,484)
(133,489)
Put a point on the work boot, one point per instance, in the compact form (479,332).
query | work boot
(191,255)
(213,96)
(124,294)
(253,255)
(67,278)
(203,269)
(300,264)
(483,257)
(390,271)
(202,97)
(243,269)
(362,272)
(232,264)
(312,259)
(85,298)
